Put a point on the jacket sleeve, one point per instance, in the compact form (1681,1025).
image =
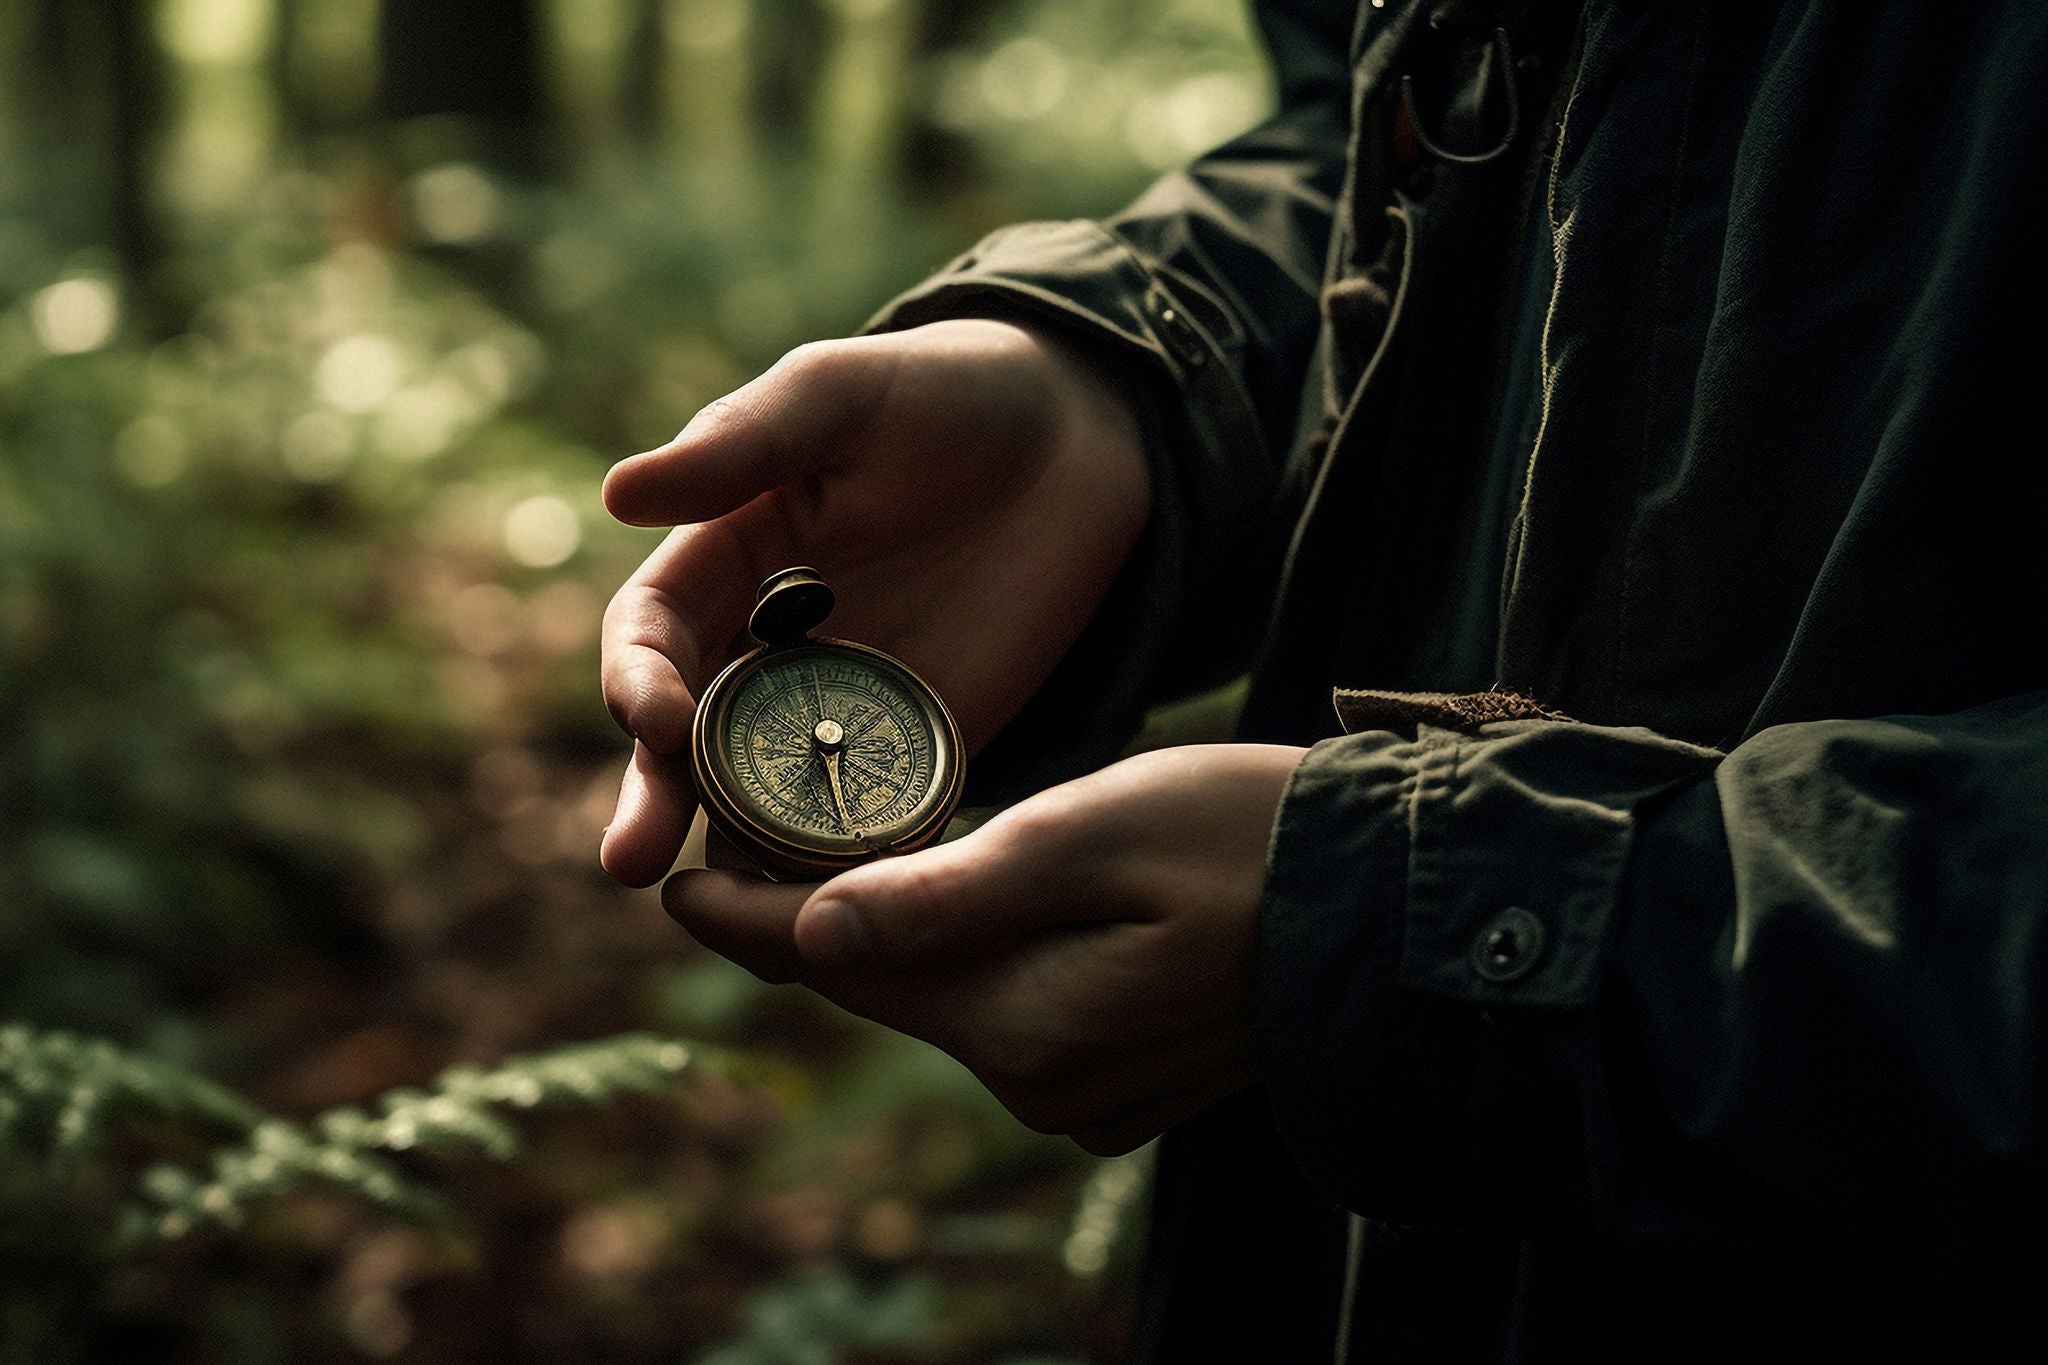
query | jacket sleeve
(1721,1009)
(1203,296)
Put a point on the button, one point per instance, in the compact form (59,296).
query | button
(1508,947)
(1182,337)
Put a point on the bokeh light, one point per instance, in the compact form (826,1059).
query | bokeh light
(313,353)
(541,532)
(76,315)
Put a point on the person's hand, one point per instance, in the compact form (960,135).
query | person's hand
(1087,953)
(969,488)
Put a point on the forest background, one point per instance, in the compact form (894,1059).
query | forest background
(320,320)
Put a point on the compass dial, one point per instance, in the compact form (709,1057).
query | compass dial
(826,753)
(799,713)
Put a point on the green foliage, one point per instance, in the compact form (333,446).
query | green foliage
(303,413)
(62,1095)
(811,1318)
(464,1110)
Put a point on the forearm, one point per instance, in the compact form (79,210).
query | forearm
(1784,1001)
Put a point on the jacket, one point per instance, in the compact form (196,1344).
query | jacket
(1665,975)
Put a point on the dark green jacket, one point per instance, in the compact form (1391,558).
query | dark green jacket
(1711,1022)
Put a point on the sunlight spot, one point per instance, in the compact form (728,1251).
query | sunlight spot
(594,28)
(422,419)
(74,316)
(1191,118)
(358,373)
(455,203)
(859,10)
(542,532)
(704,25)
(1023,79)
(1205,110)
(216,31)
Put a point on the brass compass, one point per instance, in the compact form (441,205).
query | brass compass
(812,755)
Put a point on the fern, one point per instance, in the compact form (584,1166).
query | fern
(61,1094)
(465,1108)
(58,1093)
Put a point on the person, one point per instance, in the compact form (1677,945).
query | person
(1609,439)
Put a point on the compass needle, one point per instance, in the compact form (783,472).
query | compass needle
(838,795)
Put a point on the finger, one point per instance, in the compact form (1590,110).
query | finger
(669,625)
(779,427)
(653,816)
(741,918)
(1016,874)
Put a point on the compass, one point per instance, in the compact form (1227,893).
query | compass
(812,755)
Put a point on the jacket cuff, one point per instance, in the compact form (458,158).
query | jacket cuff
(1437,912)
(1086,281)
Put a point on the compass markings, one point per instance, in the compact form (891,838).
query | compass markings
(886,765)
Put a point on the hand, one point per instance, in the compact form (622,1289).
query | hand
(1087,953)
(969,488)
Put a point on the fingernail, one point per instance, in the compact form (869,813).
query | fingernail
(834,935)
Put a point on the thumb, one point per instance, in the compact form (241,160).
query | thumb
(767,433)
(942,906)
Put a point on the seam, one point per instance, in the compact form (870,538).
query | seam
(1428,839)
(1313,501)
(1560,242)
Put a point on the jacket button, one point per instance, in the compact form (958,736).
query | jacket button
(1507,949)
(1183,338)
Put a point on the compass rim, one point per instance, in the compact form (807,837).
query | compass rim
(779,846)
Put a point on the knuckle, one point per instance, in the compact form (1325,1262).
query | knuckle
(808,361)
(716,411)
(1034,823)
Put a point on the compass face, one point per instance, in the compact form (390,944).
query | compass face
(830,748)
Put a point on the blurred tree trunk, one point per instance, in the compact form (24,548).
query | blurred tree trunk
(136,103)
(85,81)
(17,90)
(329,57)
(936,161)
(706,99)
(591,82)
(858,131)
(478,61)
